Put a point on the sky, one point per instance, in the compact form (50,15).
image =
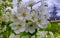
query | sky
(50,5)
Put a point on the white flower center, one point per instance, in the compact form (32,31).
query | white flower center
(31,4)
(31,24)
(33,17)
(24,14)
(19,25)
(15,17)
(39,20)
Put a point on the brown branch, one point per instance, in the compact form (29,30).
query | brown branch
(37,3)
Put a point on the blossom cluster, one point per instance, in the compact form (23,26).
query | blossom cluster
(29,19)
(26,19)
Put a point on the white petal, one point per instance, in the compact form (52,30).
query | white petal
(42,26)
(11,36)
(31,30)
(19,30)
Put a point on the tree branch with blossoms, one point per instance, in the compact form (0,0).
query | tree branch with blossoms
(25,23)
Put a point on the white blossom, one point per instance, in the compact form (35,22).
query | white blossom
(33,15)
(18,26)
(44,34)
(41,34)
(30,3)
(51,35)
(31,26)
(42,22)
(5,17)
(14,36)
(38,17)
(23,12)
(43,10)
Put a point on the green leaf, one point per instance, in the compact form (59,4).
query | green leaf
(9,22)
(8,10)
(3,23)
(1,7)
(56,34)
(0,14)
(19,0)
(23,33)
(10,0)
(10,5)
(4,0)
(49,25)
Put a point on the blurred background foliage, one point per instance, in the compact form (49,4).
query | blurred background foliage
(54,27)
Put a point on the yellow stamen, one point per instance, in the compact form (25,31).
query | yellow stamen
(15,17)
(33,17)
(39,20)
(31,5)
(19,25)
(31,24)
(24,14)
